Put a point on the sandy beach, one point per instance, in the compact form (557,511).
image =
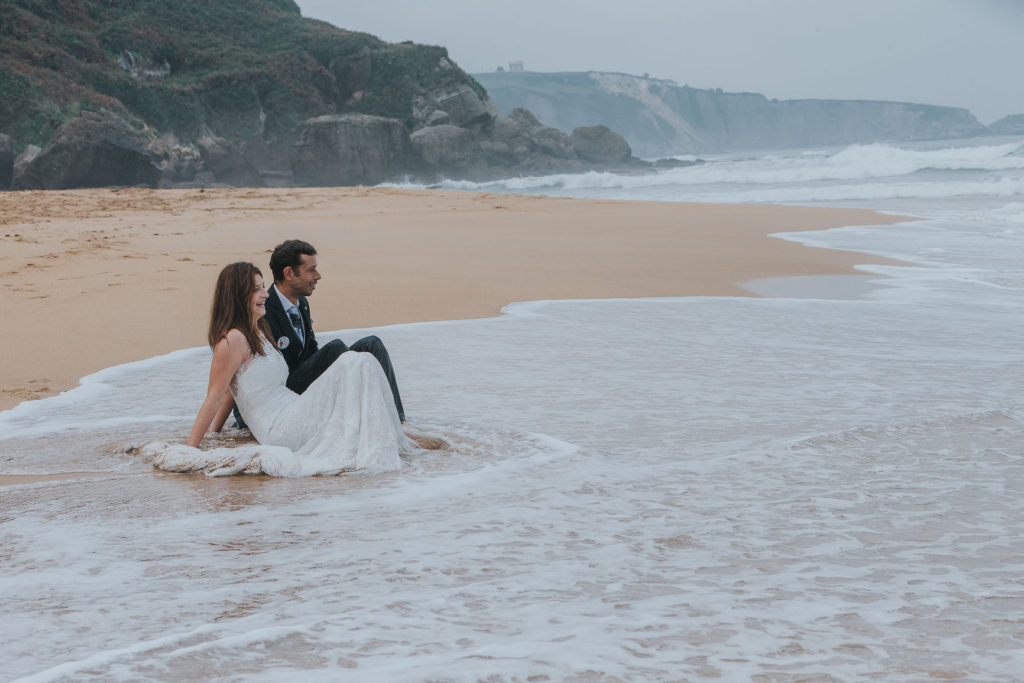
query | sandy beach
(103,277)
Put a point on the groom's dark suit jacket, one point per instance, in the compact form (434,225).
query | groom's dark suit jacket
(294,351)
(302,373)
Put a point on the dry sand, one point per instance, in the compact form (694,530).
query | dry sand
(94,278)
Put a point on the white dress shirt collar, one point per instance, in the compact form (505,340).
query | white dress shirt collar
(285,303)
(288,308)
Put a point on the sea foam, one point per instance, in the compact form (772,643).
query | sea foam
(857,172)
(647,488)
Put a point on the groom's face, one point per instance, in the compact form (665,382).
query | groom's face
(302,279)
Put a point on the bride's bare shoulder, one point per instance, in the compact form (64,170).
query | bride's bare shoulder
(233,340)
(234,335)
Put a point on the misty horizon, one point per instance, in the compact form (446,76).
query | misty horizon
(942,52)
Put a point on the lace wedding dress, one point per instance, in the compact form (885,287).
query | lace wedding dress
(345,420)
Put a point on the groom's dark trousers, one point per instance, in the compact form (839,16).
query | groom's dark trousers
(308,370)
(307,360)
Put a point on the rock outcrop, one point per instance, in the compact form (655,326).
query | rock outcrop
(352,149)
(362,150)
(463,106)
(460,134)
(227,163)
(659,118)
(179,163)
(532,144)
(446,147)
(95,149)
(600,144)
(6,161)
(22,161)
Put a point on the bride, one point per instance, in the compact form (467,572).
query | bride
(345,420)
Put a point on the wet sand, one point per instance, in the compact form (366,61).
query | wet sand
(95,278)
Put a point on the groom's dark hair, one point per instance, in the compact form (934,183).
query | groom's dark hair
(289,254)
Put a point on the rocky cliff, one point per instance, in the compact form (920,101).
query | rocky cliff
(245,92)
(658,117)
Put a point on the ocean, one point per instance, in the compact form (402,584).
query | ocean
(824,484)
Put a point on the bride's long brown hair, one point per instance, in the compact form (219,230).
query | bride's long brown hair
(232,307)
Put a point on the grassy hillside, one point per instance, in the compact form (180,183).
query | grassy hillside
(240,68)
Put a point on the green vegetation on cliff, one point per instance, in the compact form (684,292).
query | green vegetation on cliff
(242,69)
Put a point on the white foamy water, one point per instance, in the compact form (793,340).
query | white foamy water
(971,168)
(661,489)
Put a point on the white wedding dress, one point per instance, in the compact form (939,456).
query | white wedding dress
(346,420)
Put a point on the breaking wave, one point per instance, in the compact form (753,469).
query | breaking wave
(875,171)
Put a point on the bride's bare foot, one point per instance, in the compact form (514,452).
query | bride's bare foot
(430,443)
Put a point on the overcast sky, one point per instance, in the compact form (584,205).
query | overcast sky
(964,53)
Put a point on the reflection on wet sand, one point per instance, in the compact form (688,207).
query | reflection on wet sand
(21,479)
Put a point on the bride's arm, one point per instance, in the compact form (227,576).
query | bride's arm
(222,415)
(228,355)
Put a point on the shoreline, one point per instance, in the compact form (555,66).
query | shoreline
(32,479)
(104,277)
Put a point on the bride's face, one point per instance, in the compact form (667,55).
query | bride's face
(259,298)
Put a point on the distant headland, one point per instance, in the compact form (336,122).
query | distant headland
(659,117)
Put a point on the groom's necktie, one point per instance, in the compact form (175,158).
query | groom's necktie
(297,324)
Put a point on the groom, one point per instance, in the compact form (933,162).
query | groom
(293,265)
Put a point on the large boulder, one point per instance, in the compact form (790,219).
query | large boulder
(447,148)
(227,163)
(426,113)
(6,161)
(463,106)
(531,145)
(94,149)
(178,163)
(600,144)
(22,161)
(352,149)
